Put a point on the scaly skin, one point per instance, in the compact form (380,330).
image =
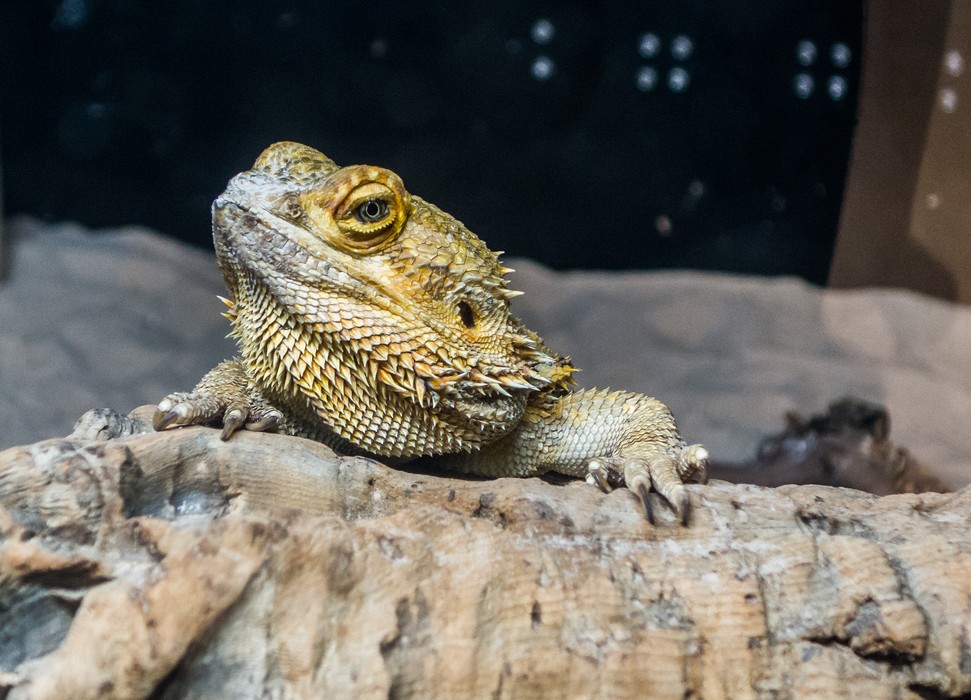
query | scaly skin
(370,320)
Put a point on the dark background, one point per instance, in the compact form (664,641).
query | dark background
(537,124)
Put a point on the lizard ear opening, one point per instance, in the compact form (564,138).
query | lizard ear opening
(466,314)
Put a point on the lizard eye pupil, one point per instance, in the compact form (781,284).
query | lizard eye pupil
(371,211)
(465,313)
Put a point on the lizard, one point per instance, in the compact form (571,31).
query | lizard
(370,320)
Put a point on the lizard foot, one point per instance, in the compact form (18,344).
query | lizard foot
(198,408)
(663,471)
(225,395)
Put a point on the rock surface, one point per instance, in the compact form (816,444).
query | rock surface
(175,565)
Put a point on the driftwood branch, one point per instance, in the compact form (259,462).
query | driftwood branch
(175,565)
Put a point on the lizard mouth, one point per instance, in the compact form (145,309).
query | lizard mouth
(259,236)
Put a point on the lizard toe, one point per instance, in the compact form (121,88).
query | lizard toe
(600,472)
(643,474)
(265,419)
(260,419)
(182,408)
(693,464)
(658,472)
(233,419)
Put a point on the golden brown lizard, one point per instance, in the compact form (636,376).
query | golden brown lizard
(370,320)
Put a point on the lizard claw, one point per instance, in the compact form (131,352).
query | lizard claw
(204,408)
(659,472)
(263,420)
(233,419)
(164,419)
(182,408)
(663,471)
(260,420)
(597,474)
(693,464)
(646,500)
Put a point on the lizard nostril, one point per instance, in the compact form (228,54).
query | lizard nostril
(466,314)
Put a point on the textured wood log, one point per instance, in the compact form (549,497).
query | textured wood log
(175,565)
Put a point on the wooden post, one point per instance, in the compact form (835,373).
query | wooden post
(909,187)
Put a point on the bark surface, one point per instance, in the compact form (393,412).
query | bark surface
(176,565)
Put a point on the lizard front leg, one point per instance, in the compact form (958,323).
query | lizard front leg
(608,437)
(224,395)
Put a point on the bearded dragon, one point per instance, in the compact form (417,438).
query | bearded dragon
(370,320)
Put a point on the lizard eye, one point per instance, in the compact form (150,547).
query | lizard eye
(372,211)
(359,208)
(369,215)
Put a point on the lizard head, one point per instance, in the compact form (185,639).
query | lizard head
(352,258)
(300,221)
